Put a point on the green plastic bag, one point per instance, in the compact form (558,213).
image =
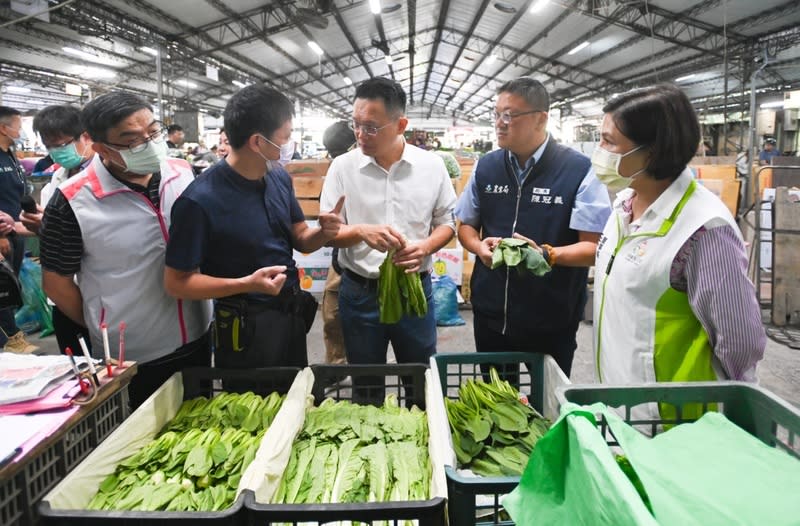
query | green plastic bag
(712,472)
(572,478)
(707,472)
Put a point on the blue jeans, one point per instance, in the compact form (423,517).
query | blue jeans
(366,339)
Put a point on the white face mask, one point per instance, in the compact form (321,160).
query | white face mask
(287,152)
(606,167)
(272,164)
(147,161)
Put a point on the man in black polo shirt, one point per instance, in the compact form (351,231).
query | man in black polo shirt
(12,245)
(232,235)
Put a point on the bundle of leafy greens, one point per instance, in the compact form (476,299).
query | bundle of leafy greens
(518,253)
(493,431)
(196,461)
(399,293)
(348,453)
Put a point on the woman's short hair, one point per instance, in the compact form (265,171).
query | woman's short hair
(661,119)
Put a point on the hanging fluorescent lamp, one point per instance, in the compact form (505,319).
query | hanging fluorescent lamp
(79,53)
(238,83)
(492,59)
(186,83)
(375,6)
(315,47)
(98,73)
(149,50)
(685,77)
(348,81)
(539,5)
(17,89)
(388,59)
(578,48)
(773,104)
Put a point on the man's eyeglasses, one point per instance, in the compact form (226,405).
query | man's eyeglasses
(372,131)
(140,144)
(506,117)
(67,143)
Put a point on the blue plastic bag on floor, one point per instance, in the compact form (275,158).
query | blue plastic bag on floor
(35,312)
(445,302)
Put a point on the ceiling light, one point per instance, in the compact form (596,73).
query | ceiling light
(238,83)
(17,89)
(186,83)
(505,8)
(391,8)
(315,47)
(579,47)
(388,59)
(375,6)
(79,53)
(98,73)
(492,59)
(539,5)
(686,77)
(149,50)
(348,81)
(36,102)
(773,104)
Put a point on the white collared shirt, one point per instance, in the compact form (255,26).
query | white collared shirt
(414,197)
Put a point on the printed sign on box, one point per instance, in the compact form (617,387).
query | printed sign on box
(449,261)
(313,268)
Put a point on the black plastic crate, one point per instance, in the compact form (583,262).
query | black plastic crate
(20,494)
(476,500)
(407,382)
(197,381)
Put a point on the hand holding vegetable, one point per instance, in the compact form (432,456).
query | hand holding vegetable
(529,241)
(516,252)
(268,280)
(488,244)
(382,237)
(410,257)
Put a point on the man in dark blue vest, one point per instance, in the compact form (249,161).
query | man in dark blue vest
(536,189)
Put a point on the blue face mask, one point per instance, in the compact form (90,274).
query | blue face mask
(67,156)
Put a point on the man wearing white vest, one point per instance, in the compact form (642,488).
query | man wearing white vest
(109,226)
(672,300)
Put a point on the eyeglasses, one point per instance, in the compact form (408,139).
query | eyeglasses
(506,117)
(54,146)
(140,144)
(372,131)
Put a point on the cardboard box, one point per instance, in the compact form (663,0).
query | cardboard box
(308,168)
(313,267)
(449,261)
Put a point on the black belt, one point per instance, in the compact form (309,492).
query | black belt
(372,282)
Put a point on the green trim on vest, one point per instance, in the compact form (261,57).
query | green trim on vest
(681,350)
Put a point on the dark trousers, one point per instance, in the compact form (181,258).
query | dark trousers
(67,332)
(8,325)
(152,375)
(560,344)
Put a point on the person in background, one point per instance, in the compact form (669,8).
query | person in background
(12,242)
(223,148)
(62,133)
(399,198)
(537,190)
(108,226)
(42,164)
(213,252)
(175,139)
(769,151)
(338,138)
(672,299)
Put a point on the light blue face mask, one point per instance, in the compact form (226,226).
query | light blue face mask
(67,155)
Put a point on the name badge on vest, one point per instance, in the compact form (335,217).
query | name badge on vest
(542,196)
(638,253)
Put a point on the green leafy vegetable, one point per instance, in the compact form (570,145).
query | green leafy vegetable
(399,293)
(517,253)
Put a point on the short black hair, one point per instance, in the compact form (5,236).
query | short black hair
(8,111)
(338,138)
(172,128)
(61,119)
(529,89)
(661,119)
(255,109)
(387,90)
(108,110)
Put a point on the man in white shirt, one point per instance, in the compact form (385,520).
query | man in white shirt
(397,198)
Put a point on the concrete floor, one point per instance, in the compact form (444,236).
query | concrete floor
(779,371)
